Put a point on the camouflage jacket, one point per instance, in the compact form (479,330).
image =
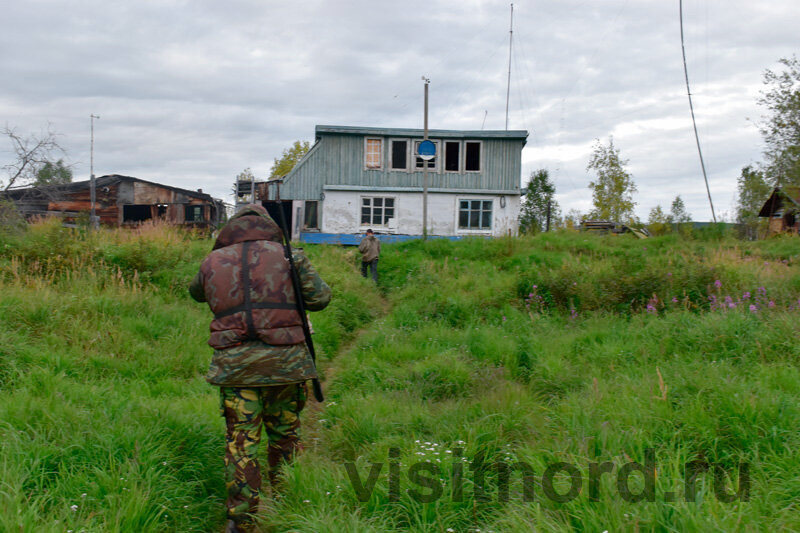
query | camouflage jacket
(256,330)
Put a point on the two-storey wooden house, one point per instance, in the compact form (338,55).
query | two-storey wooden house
(356,178)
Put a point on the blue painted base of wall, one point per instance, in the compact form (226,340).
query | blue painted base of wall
(349,239)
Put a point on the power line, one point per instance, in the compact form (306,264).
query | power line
(691,108)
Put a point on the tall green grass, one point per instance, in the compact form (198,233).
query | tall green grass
(467,360)
(106,422)
(622,346)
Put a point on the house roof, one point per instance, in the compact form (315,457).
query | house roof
(781,198)
(104,181)
(407,132)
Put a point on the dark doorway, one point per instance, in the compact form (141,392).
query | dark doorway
(273,208)
(789,220)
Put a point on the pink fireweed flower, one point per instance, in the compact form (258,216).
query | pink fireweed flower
(771,303)
(674,299)
(717,283)
(753,308)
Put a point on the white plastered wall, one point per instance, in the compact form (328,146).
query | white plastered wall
(341,213)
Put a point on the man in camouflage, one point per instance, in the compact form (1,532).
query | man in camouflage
(261,362)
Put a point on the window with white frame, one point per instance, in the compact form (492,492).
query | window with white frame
(420,163)
(472,156)
(376,210)
(399,154)
(475,214)
(373,154)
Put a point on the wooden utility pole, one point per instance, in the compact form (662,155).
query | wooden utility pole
(425,169)
(549,201)
(92,192)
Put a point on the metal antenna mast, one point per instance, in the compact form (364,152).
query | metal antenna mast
(691,108)
(508,85)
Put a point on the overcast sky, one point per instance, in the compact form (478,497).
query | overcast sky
(192,92)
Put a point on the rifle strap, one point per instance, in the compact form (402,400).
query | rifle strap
(247,306)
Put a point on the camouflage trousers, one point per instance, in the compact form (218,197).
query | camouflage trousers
(277,408)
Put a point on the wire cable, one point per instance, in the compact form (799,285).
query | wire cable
(691,108)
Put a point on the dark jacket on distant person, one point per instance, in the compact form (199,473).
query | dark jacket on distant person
(370,248)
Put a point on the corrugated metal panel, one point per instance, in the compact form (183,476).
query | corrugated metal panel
(338,159)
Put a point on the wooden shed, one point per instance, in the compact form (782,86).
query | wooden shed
(120,201)
(783,210)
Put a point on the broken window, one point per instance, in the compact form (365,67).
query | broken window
(194,213)
(311,220)
(376,211)
(162,211)
(452,153)
(475,214)
(136,213)
(373,151)
(472,159)
(399,155)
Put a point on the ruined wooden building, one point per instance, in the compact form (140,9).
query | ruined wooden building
(119,201)
(783,210)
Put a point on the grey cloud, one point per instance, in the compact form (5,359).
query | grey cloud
(190,93)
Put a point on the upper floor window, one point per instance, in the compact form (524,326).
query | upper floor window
(420,163)
(373,152)
(452,156)
(399,154)
(472,156)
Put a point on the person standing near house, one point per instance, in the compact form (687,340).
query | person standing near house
(261,362)
(370,248)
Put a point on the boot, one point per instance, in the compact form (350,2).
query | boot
(233,527)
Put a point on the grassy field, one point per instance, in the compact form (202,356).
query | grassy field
(483,385)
